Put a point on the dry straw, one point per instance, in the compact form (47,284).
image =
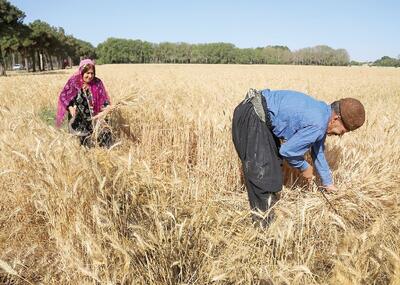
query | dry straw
(166,205)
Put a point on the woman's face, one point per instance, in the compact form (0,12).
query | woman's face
(88,75)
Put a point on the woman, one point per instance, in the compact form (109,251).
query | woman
(85,99)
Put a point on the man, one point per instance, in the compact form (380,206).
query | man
(302,123)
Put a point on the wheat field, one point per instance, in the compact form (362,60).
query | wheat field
(166,204)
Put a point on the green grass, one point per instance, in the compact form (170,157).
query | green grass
(47,114)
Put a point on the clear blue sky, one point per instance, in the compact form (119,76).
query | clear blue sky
(367,29)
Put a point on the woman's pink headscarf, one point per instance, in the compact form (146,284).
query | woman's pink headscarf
(71,88)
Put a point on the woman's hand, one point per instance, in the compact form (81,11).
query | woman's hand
(103,113)
(85,86)
(72,110)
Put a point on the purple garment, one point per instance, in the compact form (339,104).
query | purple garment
(71,88)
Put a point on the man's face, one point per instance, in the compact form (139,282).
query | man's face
(336,127)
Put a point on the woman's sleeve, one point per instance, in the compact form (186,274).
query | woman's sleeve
(106,103)
(71,103)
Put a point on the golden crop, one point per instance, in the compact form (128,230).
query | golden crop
(166,204)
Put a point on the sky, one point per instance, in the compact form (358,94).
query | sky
(367,29)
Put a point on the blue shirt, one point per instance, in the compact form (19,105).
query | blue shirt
(301,121)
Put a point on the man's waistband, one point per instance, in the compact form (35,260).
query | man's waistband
(259,103)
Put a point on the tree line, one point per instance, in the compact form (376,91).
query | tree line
(387,61)
(115,50)
(40,46)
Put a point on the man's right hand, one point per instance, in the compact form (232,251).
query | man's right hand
(330,188)
(308,174)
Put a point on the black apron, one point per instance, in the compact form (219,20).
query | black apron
(258,149)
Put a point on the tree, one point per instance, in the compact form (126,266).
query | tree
(114,51)
(82,49)
(25,44)
(276,55)
(10,22)
(387,61)
(45,42)
(184,52)
(321,55)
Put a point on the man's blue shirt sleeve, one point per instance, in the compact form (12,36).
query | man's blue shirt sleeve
(318,156)
(294,149)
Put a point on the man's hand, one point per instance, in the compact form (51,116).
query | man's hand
(308,174)
(330,188)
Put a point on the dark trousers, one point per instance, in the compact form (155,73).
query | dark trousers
(257,148)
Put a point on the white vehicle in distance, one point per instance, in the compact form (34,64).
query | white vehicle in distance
(17,67)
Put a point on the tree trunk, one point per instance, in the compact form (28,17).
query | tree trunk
(2,70)
(45,61)
(51,62)
(2,66)
(41,66)
(33,61)
(26,64)
(39,60)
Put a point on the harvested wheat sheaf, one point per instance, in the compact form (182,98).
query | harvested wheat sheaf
(166,205)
